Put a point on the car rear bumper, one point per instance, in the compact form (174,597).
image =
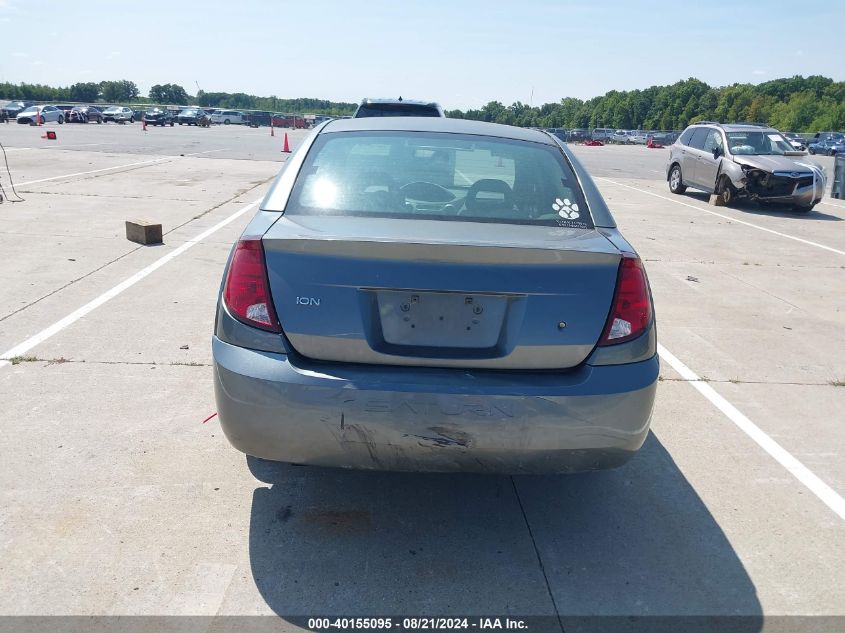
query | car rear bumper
(281,407)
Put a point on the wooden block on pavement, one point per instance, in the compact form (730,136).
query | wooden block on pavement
(143,232)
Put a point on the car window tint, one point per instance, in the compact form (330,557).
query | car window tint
(698,138)
(686,136)
(438,176)
(391,109)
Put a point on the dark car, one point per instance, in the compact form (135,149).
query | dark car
(84,114)
(13,108)
(157,116)
(579,134)
(258,117)
(663,138)
(190,116)
(829,147)
(397,107)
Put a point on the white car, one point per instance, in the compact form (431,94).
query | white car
(620,136)
(44,113)
(118,114)
(228,116)
(638,137)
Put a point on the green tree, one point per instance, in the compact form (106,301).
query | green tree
(169,94)
(119,91)
(84,92)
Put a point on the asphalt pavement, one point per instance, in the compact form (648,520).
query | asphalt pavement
(120,497)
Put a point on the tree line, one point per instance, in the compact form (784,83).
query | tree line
(796,104)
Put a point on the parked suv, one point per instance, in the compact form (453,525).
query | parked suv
(743,160)
(119,114)
(157,116)
(620,136)
(14,108)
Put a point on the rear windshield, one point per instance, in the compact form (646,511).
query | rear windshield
(395,109)
(436,176)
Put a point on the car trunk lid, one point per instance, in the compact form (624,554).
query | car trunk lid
(427,293)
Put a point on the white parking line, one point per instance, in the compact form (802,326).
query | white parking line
(825,493)
(77,314)
(97,171)
(832,204)
(726,217)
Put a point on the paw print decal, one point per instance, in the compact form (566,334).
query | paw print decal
(566,209)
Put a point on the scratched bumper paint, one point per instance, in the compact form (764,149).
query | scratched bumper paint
(283,408)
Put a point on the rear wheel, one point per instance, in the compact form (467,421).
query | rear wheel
(676,181)
(811,150)
(171,124)
(226,122)
(804,209)
(132,119)
(61,120)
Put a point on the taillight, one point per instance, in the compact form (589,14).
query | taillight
(247,290)
(631,311)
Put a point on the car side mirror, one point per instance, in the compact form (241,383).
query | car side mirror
(717,151)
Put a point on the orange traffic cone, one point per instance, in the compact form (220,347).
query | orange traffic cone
(286,148)
(38,118)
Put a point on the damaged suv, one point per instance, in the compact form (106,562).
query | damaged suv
(744,160)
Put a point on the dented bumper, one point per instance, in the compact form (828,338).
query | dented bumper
(279,407)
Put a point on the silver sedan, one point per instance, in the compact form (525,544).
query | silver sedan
(45,113)
(433,294)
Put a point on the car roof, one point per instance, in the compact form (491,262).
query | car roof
(736,127)
(435,124)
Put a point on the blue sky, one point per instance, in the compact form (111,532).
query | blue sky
(461,53)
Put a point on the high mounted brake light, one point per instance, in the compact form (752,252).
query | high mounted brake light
(631,311)
(247,290)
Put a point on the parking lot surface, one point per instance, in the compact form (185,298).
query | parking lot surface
(121,497)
